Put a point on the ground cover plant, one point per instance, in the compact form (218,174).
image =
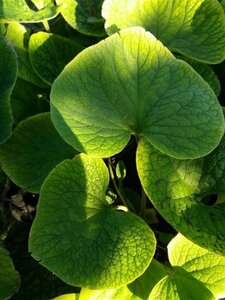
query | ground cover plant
(112,149)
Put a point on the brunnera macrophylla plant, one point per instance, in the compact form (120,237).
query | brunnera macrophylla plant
(82,83)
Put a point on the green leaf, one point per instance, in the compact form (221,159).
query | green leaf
(9,278)
(106,247)
(177,189)
(19,36)
(137,290)
(194,28)
(49,53)
(33,150)
(37,283)
(131,84)
(8,74)
(205,266)
(27,100)
(180,286)
(84,16)
(206,72)
(18,10)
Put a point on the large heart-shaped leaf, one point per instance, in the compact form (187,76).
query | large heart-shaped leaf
(80,237)
(8,74)
(32,151)
(195,28)
(49,53)
(131,84)
(18,10)
(9,278)
(178,189)
(84,16)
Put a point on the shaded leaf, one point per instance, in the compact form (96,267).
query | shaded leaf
(49,53)
(84,16)
(9,278)
(33,150)
(8,74)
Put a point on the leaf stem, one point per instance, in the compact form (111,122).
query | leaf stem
(46,26)
(115,184)
(143,203)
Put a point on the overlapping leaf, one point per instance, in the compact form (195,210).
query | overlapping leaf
(177,189)
(27,100)
(197,273)
(131,84)
(49,53)
(19,36)
(195,28)
(33,150)
(18,10)
(84,16)
(106,247)
(8,74)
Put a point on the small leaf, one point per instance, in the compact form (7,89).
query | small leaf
(8,74)
(9,278)
(108,248)
(194,28)
(180,286)
(33,150)
(49,53)
(120,170)
(176,189)
(84,16)
(131,84)
(19,36)
(18,10)
(205,266)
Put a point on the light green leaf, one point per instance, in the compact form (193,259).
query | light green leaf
(27,100)
(9,278)
(205,266)
(84,16)
(131,84)
(19,36)
(107,247)
(195,28)
(18,10)
(49,53)
(8,74)
(68,297)
(179,285)
(177,189)
(33,150)
(136,290)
